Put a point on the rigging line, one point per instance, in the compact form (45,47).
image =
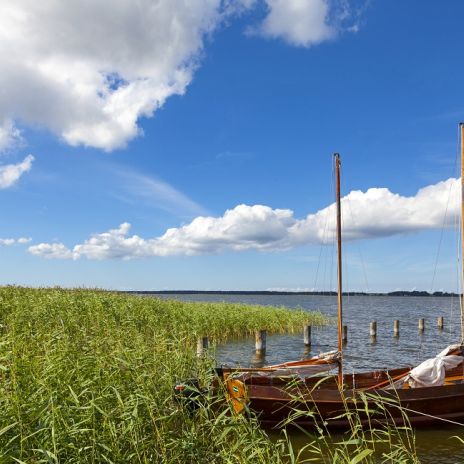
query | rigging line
(332,261)
(345,262)
(330,241)
(347,277)
(425,414)
(320,256)
(459,254)
(441,238)
(328,236)
(358,246)
(458,244)
(322,246)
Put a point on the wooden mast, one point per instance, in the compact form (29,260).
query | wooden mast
(339,268)
(461,127)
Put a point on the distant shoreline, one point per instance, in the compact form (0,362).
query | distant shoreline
(266,292)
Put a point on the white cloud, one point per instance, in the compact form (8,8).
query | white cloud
(14,241)
(97,66)
(88,70)
(298,22)
(10,173)
(378,212)
(23,240)
(51,250)
(371,214)
(10,136)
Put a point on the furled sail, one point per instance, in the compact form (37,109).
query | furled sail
(431,373)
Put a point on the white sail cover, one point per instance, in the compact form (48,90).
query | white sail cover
(432,372)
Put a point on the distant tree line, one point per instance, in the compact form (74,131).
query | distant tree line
(269,292)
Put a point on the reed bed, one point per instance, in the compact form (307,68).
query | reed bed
(87,377)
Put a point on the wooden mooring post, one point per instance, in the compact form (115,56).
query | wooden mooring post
(345,335)
(396,328)
(440,323)
(260,341)
(307,335)
(373,329)
(202,346)
(421,325)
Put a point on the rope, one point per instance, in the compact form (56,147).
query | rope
(426,415)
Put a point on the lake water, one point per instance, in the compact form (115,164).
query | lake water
(361,353)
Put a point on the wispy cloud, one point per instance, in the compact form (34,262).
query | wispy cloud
(366,215)
(158,193)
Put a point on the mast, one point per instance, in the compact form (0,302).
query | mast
(461,127)
(339,267)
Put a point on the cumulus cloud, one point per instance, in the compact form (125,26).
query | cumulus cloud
(375,213)
(51,250)
(10,173)
(14,241)
(379,213)
(98,66)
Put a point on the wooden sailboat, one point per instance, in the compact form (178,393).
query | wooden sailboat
(429,393)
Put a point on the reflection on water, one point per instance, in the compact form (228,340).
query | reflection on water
(361,353)
(433,446)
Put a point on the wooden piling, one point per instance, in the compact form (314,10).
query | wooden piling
(440,322)
(202,346)
(345,335)
(396,328)
(307,335)
(421,325)
(260,341)
(373,329)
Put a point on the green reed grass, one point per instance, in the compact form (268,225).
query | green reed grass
(87,377)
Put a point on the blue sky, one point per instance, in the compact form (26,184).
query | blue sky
(237,104)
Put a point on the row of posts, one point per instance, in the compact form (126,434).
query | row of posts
(260,335)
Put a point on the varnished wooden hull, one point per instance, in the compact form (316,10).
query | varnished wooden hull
(309,403)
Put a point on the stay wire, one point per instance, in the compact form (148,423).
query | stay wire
(445,217)
(323,244)
(358,245)
(457,228)
(333,236)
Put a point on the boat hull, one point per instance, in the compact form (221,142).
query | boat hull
(314,401)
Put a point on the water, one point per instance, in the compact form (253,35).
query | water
(360,353)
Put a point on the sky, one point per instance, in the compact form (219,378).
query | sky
(173,144)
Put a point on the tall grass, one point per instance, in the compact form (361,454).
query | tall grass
(87,376)
(381,441)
